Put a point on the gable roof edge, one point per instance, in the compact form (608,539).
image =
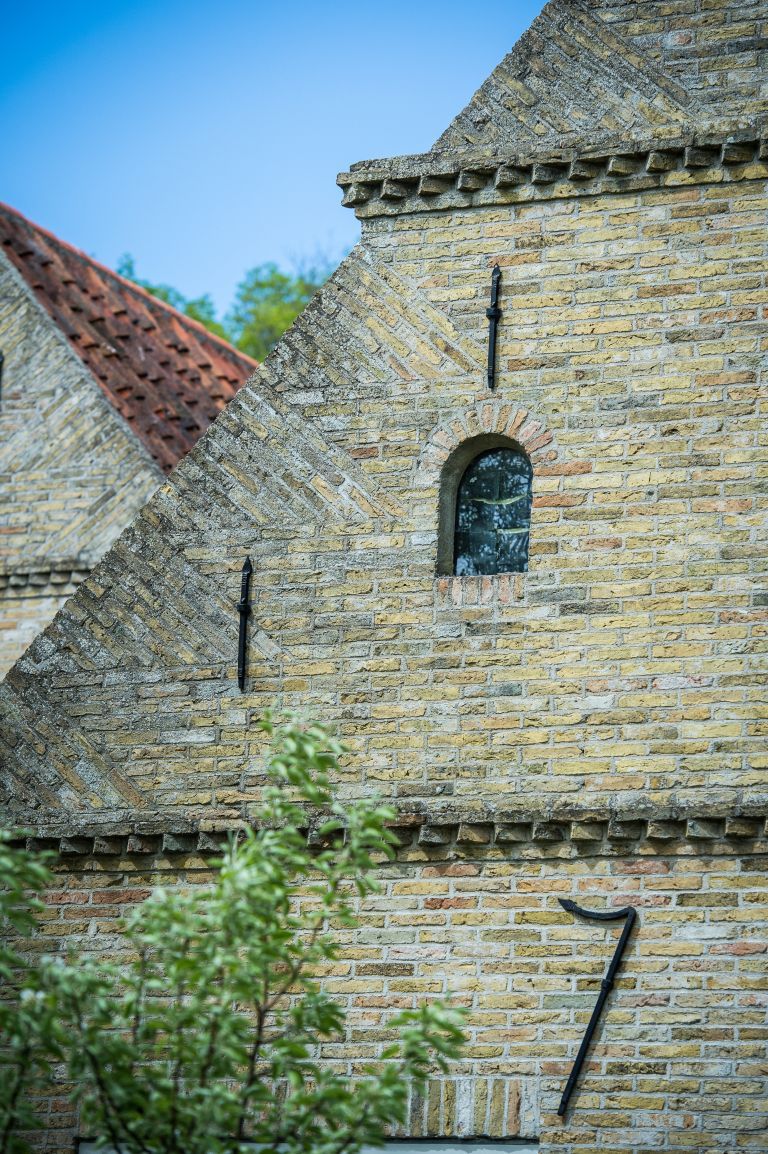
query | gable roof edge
(96,392)
(132,286)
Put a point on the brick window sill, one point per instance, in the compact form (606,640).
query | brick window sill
(502,589)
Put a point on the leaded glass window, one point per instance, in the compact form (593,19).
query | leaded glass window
(493,514)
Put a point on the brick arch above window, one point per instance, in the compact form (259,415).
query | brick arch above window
(455,442)
(489,419)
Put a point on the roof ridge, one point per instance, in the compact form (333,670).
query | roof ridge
(132,286)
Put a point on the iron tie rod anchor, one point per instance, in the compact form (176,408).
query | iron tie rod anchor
(630,913)
(494,316)
(244,609)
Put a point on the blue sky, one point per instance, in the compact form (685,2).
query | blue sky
(205,138)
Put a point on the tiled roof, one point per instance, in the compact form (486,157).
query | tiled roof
(163,372)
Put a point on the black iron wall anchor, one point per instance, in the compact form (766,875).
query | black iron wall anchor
(630,913)
(244,609)
(494,316)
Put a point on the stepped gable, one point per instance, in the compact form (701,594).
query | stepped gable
(165,374)
(618,68)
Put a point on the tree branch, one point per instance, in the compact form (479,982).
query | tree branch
(108,1104)
(177,1069)
(261,1017)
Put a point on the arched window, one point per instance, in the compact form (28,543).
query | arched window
(493,514)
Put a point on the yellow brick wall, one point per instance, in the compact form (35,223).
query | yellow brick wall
(678,1059)
(23,617)
(72,475)
(621,662)
(617,682)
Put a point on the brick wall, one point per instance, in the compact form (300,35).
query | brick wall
(71,473)
(26,609)
(678,1060)
(603,712)
(629,354)
(587,69)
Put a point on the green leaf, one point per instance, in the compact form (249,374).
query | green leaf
(207,1031)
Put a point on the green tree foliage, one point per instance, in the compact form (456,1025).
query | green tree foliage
(208,1037)
(267,302)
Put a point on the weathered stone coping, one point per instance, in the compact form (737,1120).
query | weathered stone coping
(450,829)
(434,181)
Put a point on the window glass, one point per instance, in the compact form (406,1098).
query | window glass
(493,514)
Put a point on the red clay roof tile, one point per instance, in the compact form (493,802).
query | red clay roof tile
(166,375)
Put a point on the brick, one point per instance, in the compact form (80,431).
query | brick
(591,728)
